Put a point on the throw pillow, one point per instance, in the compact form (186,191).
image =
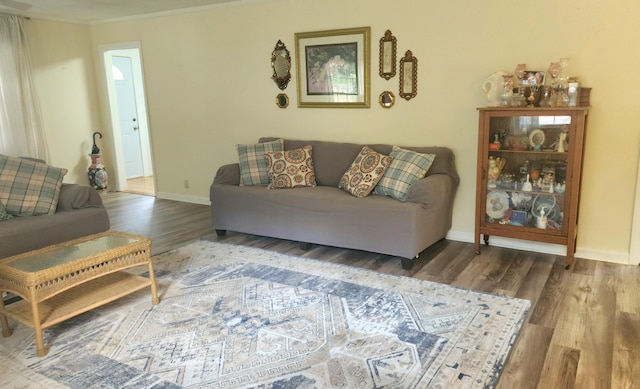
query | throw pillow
(406,168)
(365,172)
(29,188)
(253,166)
(3,213)
(291,168)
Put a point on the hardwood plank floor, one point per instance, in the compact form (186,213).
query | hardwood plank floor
(583,330)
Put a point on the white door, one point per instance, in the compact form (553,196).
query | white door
(128,117)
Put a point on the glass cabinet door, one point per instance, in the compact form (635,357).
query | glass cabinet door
(525,176)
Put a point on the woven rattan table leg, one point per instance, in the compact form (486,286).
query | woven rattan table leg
(41,351)
(154,289)
(6,330)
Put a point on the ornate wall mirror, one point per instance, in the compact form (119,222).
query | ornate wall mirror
(281,64)
(282,100)
(408,76)
(387,55)
(387,99)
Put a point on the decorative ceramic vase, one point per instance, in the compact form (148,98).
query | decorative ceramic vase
(98,177)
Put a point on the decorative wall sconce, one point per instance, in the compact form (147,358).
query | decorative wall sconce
(408,76)
(281,65)
(388,45)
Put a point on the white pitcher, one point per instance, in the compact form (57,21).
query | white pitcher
(492,87)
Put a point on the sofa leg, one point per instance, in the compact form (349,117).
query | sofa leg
(407,263)
(305,246)
(221,232)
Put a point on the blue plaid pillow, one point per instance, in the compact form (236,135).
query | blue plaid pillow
(28,187)
(3,213)
(406,168)
(253,166)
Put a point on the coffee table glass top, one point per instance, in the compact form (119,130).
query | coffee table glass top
(64,254)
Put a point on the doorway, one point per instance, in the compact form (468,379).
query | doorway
(128,119)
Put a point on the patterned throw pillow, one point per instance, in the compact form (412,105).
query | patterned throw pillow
(29,188)
(3,213)
(365,172)
(406,168)
(253,166)
(291,168)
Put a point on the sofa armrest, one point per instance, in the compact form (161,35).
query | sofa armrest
(74,196)
(431,190)
(228,175)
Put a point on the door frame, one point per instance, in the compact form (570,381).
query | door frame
(634,246)
(132,50)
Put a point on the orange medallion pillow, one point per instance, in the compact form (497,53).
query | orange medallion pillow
(365,172)
(291,168)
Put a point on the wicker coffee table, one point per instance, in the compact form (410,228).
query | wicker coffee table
(65,280)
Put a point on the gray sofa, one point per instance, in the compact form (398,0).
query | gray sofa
(79,212)
(330,216)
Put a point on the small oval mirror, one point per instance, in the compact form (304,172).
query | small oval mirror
(281,65)
(282,100)
(387,99)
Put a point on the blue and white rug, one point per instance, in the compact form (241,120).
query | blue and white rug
(238,317)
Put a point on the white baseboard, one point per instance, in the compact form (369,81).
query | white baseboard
(516,244)
(183,198)
(546,248)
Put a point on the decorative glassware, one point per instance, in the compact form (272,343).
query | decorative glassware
(519,72)
(554,72)
(507,90)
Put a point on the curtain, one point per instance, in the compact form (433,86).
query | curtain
(21,129)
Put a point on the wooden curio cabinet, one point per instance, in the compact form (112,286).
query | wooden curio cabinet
(529,173)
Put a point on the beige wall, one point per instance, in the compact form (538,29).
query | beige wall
(208,88)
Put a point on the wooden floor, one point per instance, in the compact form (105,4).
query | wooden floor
(583,330)
(141,185)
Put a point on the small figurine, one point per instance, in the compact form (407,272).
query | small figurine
(527,187)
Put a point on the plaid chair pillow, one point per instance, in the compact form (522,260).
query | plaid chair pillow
(3,213)
(253,166)
(29,188)
(406,168)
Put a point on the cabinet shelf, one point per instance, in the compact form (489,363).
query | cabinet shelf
(549,212)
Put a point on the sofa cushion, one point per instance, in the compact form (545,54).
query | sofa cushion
(3,213)
(365,172)
(291,168)
(29,188)
(253,166)
(406,168)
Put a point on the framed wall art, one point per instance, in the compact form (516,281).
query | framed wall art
(332,68)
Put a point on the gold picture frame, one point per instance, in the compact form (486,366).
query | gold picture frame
(332,68)
(388,48)
(408,76)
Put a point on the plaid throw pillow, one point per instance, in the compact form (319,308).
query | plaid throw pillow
(253,166)
(406,168)
(3,213)
(29,188)
(365,172)
(291,168)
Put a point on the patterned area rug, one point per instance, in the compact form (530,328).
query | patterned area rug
(238,317)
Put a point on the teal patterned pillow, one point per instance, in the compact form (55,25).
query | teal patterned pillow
(406,168)
(29,188)
(3,213)
(253,166)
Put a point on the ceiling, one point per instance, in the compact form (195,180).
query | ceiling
(92,11)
